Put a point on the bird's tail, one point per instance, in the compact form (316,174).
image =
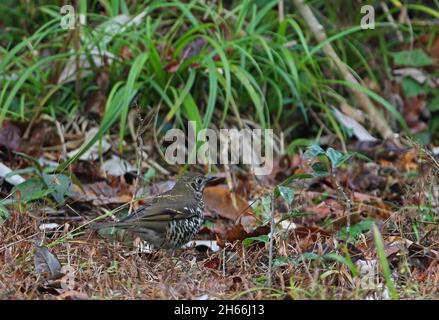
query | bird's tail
(101,225)
(112,231)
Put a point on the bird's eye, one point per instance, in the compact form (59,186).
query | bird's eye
(199,180)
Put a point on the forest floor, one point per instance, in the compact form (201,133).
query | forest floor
(390,203)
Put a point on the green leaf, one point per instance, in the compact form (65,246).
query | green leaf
(412,88)
(130,90)
(383,262)
(355,230)
(414,58)
(319,170)
(249,241)
(4,213)
(335,157)
(192,112)
(112,112)
(286,193)
(433,106)
(254,94)
(30,190)
(313,151)
(59,184)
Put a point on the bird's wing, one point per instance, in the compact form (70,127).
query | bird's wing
(171,209)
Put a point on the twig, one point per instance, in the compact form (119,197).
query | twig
(270,249)
(143,125)
(347,201)
(363,100)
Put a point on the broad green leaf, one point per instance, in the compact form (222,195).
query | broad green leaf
(412,88)
(414,58)
(286,193)
(30,190)
(313,151)
(319,170)
(335,157)
(59,184)
(355,230)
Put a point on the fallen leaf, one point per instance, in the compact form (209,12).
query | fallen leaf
(218,201)
(45,262)
(99,193)
(357,129)
(246,227)
(326,208)
(117,166)
(10,136)
(92,153)
(416,74)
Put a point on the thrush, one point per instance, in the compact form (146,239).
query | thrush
(171,219)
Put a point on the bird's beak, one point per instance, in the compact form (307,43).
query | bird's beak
(212,180)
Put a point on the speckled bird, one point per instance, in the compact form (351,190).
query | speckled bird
(171,219)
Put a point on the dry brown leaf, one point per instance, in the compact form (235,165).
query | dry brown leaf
(10,136)
(245,227)
(218,201)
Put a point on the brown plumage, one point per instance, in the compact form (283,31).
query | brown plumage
(171,219)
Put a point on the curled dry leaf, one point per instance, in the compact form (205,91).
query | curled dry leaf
(418,256)
(307,236)
(46,263)
(10,136)
(246,227)
(357,129)
(117,166)
(326,208)
(99,193)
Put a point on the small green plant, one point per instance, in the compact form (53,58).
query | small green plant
(327,161)
(325,166)
(42,183)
